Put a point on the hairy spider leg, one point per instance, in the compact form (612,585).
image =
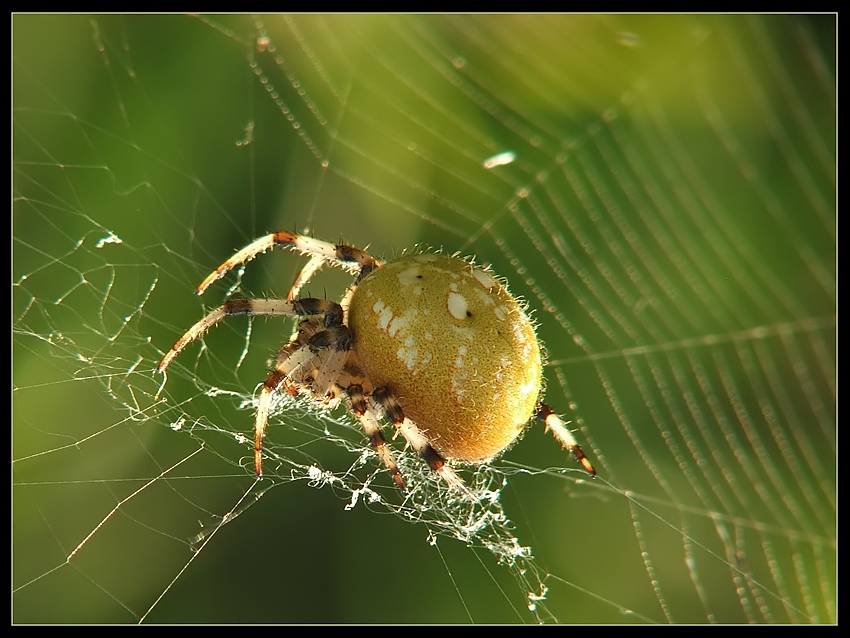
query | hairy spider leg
(323,355)
(255,307)
(563,435)
(335,337)
(310,269)
(325,351)
(413,435)
(354,260)
(360,407)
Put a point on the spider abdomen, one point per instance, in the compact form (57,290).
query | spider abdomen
(455,348)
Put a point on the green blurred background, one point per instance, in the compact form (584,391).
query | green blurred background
(372,129)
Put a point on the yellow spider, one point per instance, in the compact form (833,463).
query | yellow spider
(430,341)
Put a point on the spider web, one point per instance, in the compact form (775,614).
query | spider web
(661,189)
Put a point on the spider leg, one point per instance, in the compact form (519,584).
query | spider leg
(310,269)
(255,307)
(360,407)
(270,386)
(564,436)
(356,261)
(325,351)
(418,441)
(334,344)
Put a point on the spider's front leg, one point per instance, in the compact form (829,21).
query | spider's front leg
(332,336)
(353,259)
(255,307)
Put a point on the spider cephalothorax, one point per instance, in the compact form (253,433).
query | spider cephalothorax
(436,344)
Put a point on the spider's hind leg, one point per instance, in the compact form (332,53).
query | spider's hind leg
(360,407)
(413,435)
(564,436)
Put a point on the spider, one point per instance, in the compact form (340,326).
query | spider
(428,340)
